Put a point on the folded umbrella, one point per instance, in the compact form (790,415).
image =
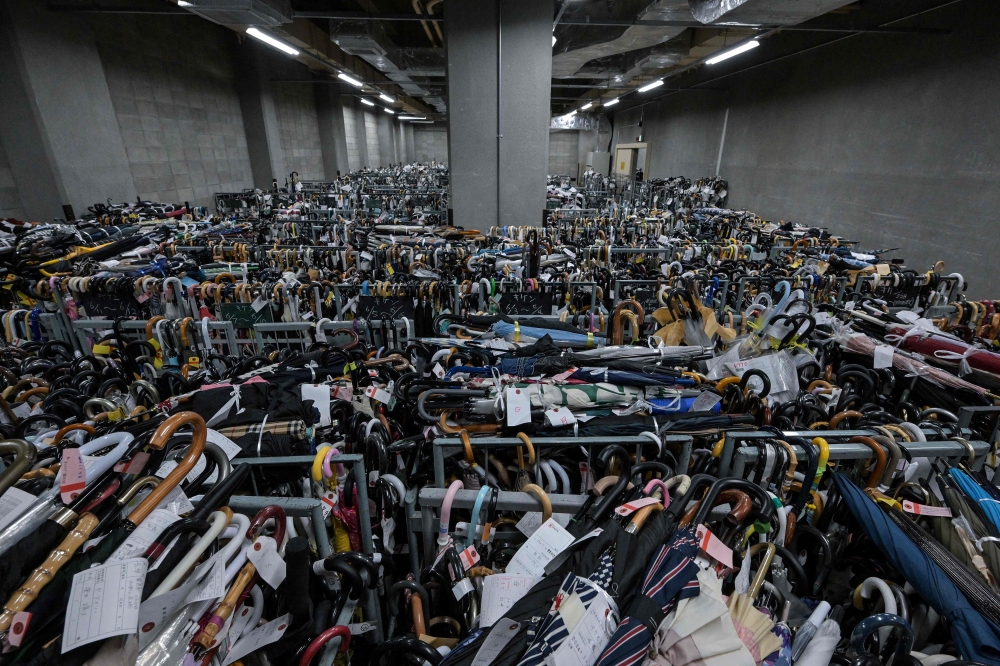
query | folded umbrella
(975,636)
(671,576)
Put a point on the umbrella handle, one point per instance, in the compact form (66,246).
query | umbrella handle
(741,507)
(865,627)
(45,572)
(158,441)
(542,497)
(25,454)
(324,638)
(880,458)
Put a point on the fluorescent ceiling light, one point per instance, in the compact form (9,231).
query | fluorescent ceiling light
(412,117)
(611,102)
(268,39)
(386,98)
(742,48)
(183,3)
(364,101)
(352,81)
(586,106)
(389,111)
(553,40)
(650,86)
(570,114)
(423,122)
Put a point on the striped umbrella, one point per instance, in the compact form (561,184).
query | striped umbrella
(673,575)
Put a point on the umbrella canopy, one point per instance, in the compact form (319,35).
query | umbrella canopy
(700,631)
(671,576)
(976,637)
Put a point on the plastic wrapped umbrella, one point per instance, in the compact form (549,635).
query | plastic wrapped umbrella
(672,575)
(975,636)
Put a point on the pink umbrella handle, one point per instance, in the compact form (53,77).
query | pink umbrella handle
(654,483)
(327,470)
(449,497)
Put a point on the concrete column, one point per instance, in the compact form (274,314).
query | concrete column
(386,148)
(411,150)
(332,136)
(362,130)
(57,120)
(260,120)
(516,177)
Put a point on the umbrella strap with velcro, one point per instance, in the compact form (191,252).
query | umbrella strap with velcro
(647,611)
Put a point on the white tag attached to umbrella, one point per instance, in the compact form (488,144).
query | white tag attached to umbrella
(73,477)
(588,635)
(500,593)
(13,503)
(883,356)
(742,581)
(144,535)
(559,416)
(320,395)
(548,541)
(104,602)
(258,638)
(505,630)
(518,406)
(264,555)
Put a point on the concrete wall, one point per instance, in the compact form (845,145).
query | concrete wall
(96,106)
(430,142)
(889,140)
(563,153)
(298,127)
(10,200)
(371,139)
(177,108)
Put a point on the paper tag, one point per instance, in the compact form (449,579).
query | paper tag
(104,602)
(634,505)
(13,503)
(367,256)
(359,628)
(264,555)
(378,394)
(548,541)
(530,523)
(237,626)
(438,371)
(713,547)
(742,581)
(258,638)
(329,501)
(849,306)
(462,588)
(505,630)
(518,406)
(706,401)
(258,304)
(469,557)
(588,635)
(563,376)
(144,535)
(320,395)
(18,628)
(883,356)
(21,410)
(500,593)
(156,610)
(925,510)
(176,502)
(344,393)
(73,477)
(559,416)
(372,478)
(688,254)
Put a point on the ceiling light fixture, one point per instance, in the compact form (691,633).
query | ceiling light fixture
(742,48)
(386,98)
(366,102)
(271,41)
(650,86)
(184,3)
(611,102)
(553,40)
(389,111)
(412,117)
(352,81)
(586,106)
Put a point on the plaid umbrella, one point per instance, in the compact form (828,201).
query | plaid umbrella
(672,575)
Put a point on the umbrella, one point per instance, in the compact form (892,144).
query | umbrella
(671,576)
(976,637)
(50,604)
(700,630)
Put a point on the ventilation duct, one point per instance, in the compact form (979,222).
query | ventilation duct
(245,12)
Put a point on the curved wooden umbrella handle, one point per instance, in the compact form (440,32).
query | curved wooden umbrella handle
(187,463)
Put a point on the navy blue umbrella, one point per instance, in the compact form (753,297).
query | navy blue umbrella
(976,637)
